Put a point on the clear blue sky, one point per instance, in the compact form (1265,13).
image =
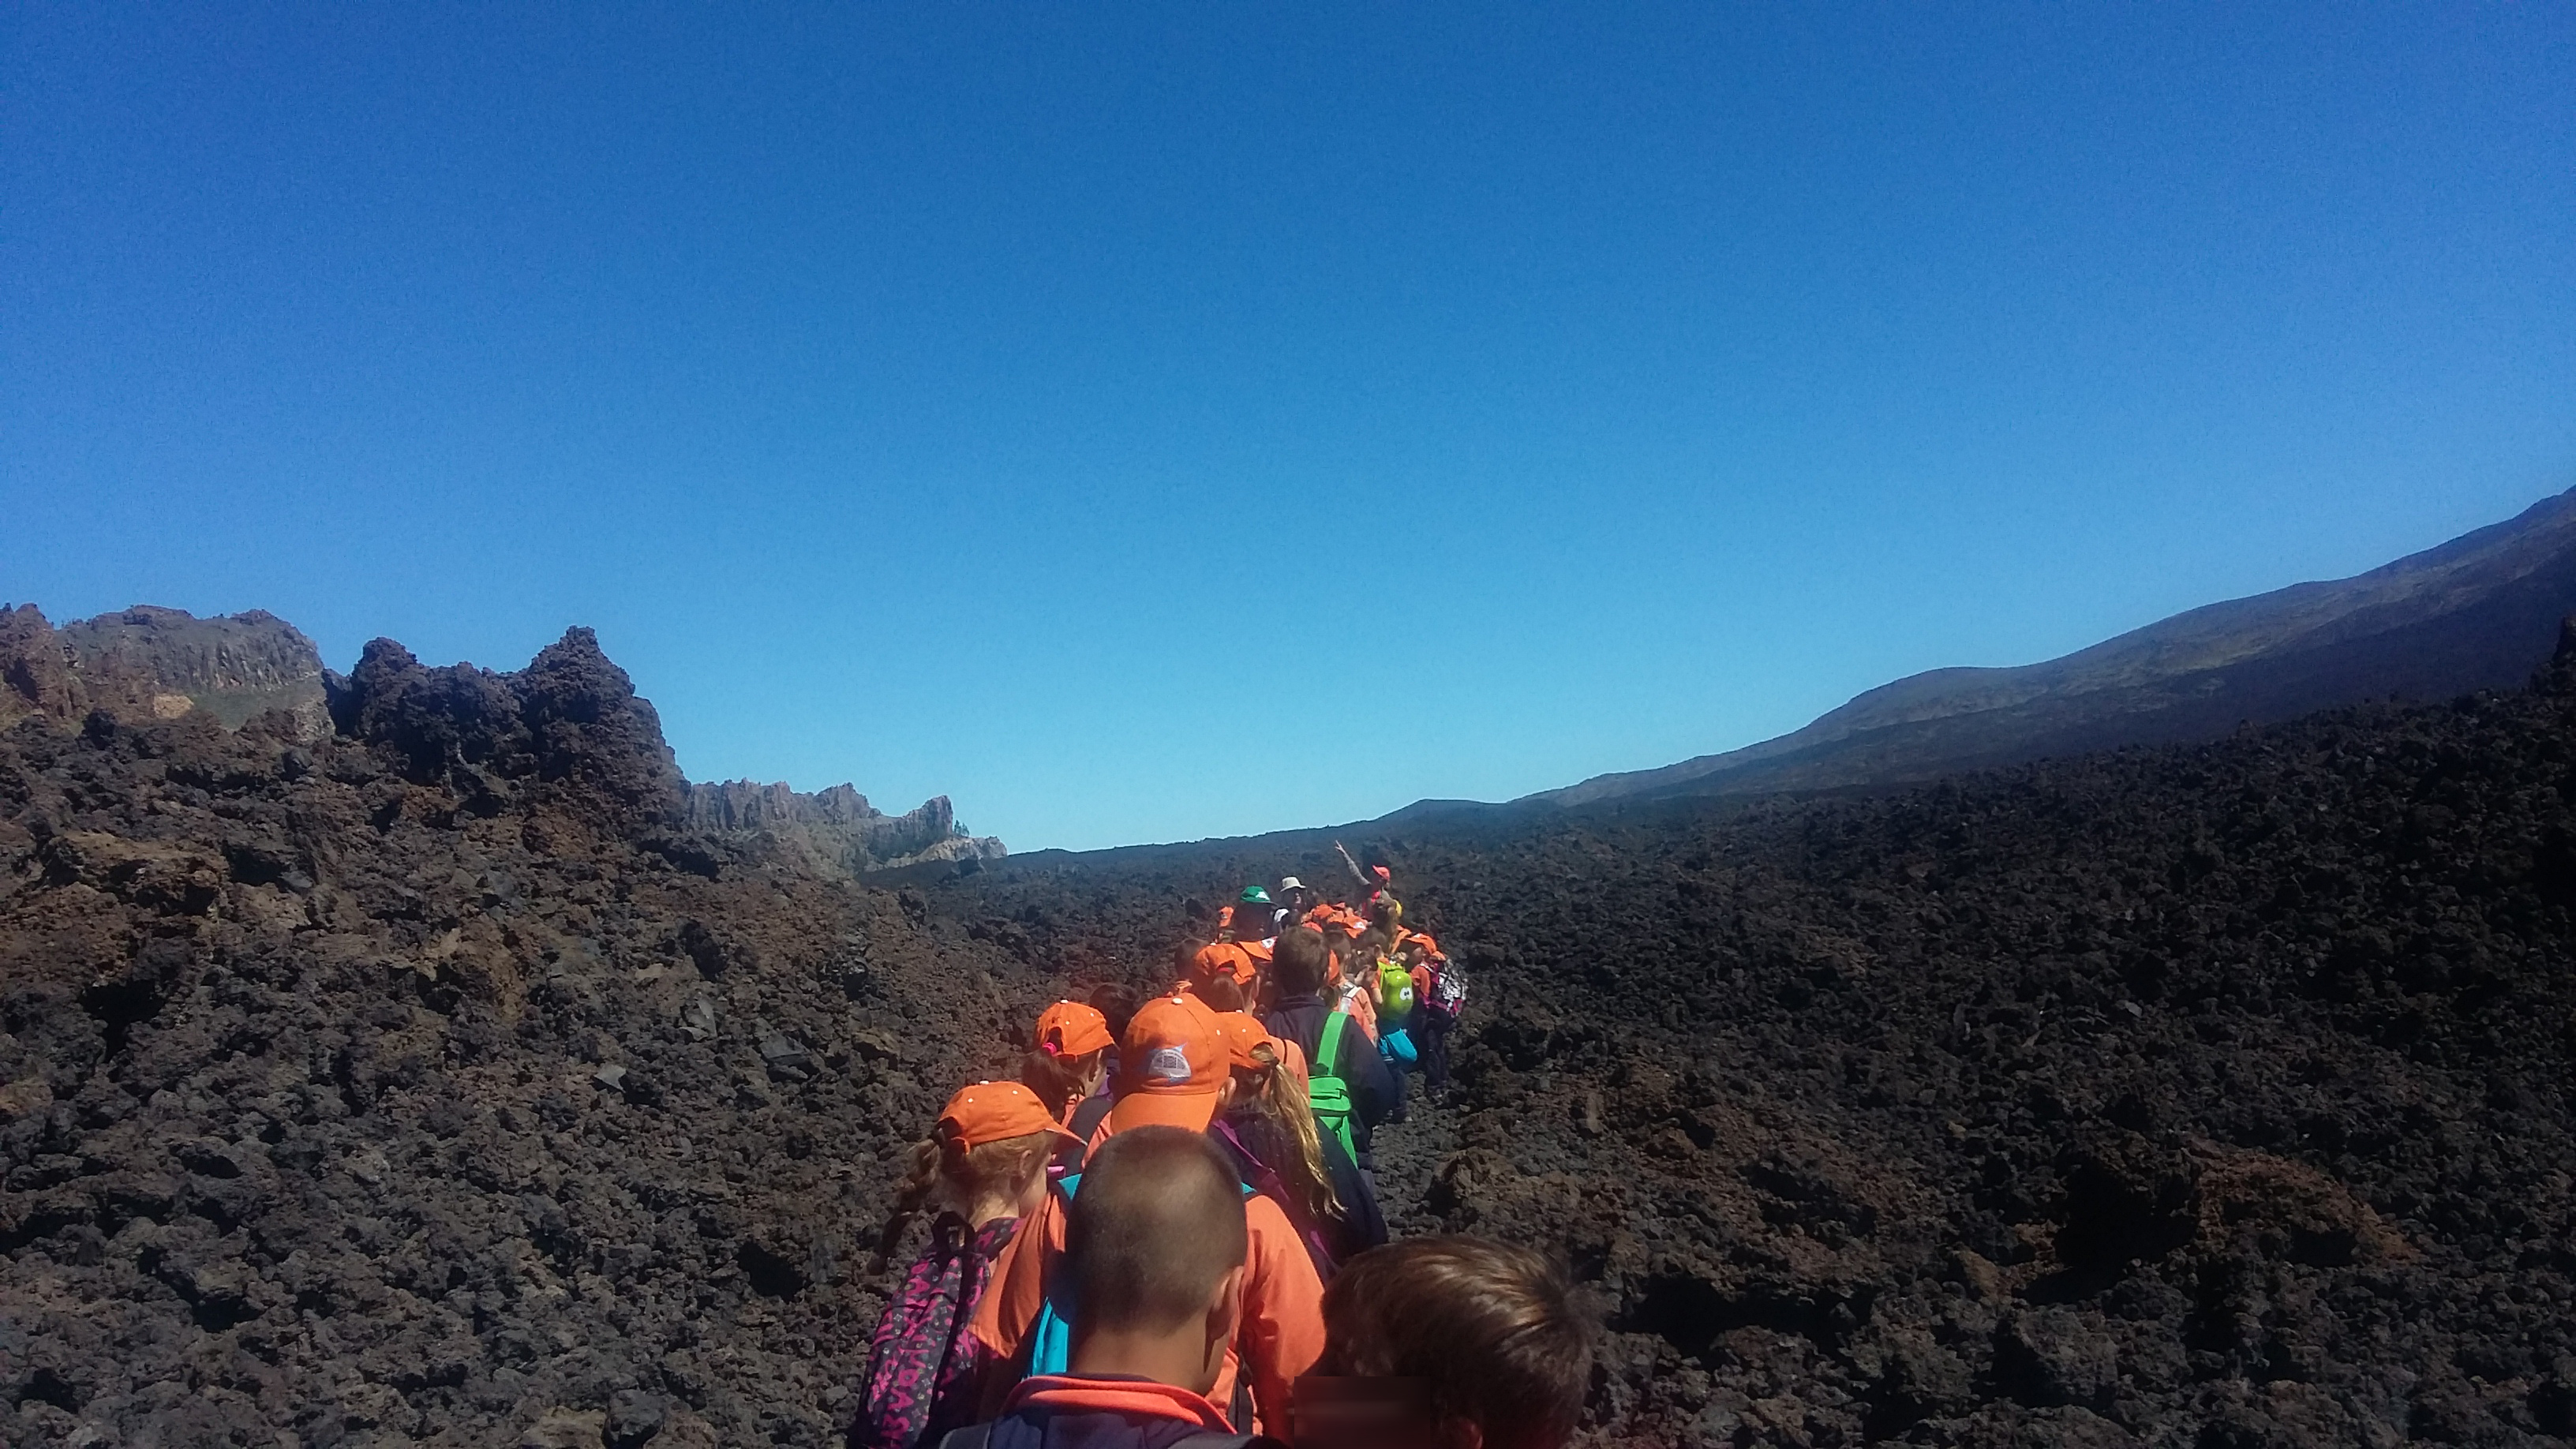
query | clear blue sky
(1153,422)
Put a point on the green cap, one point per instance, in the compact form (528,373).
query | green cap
(1253,896)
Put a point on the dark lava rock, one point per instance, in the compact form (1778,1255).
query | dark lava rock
(409,1083)
(2204,1095)
(2190,1096)
(634,1417)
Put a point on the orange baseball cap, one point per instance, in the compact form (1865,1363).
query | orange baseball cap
(995,1112)
(1176,1061)
(1292,1059)
(1071,1029)
(1225,958)
(1429,947)
(1242,1034)
(1381,872)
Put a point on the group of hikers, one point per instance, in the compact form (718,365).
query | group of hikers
(1166,1234)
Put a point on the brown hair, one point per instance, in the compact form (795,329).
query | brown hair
(1496,1331)
(1220,992)
(1118,1003)
(955,1176)
(1297,962)
(1158,1224)
(1060,1081)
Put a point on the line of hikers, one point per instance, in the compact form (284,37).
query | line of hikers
(1166,1234)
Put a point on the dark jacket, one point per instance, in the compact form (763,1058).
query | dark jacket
(1258,1146)
(1301,1019)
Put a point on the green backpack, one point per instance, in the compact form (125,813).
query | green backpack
(1394,994)
(1327,1095)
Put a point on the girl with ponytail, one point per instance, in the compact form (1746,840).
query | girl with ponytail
(1067,1069)
(982,1170)
(1268,1126)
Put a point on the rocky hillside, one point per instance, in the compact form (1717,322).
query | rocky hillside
(427,1080)
(2189,1096)
(430,1081)
(2479,612)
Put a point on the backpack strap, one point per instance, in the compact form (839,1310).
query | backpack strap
(1328,1046)
(973,1436)
(1203,1439)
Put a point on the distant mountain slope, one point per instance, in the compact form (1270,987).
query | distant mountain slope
(2478,612)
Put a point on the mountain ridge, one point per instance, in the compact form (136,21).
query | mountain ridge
(2478,611)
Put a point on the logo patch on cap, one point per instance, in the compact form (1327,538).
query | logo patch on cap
(1169,1064)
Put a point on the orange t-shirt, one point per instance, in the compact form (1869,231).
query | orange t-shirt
(1282,1331)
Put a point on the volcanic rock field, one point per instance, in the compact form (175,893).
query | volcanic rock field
(418,1076)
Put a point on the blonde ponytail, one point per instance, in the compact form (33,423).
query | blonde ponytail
(1284,1102)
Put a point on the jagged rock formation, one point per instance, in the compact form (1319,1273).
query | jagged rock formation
(834,831)
(458,725)
(2478,612)
(149,662)
(570,725)
(235,666)
(428,1082)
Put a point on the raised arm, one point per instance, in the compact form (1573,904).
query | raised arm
(1363,877)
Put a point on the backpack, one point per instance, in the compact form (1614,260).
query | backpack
(1050,1346)
(1394,992)
(1259,1177)
(1327,1095)
(978,1436)
(923,1367)
(1448,991)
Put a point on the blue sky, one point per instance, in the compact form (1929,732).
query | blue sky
(1147,422)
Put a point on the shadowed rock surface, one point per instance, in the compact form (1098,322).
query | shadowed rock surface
(2479,612)
(431,1081)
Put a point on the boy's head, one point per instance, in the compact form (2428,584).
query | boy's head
(1154,1245)
(1297,962)
(1493,1338)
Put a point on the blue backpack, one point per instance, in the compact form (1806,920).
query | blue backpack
(1050,1343)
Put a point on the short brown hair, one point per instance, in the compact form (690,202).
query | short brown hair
(1497,1332)
(1297,962)
(1157,1225)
